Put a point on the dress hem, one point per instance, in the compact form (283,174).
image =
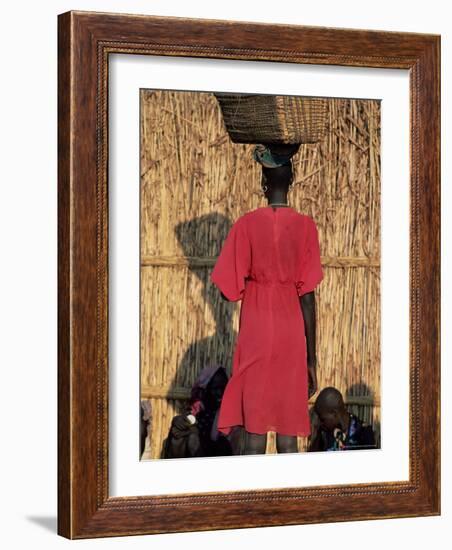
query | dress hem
(227,431)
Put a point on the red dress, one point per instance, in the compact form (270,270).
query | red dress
(270,257)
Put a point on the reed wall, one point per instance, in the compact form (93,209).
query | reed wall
(194,184)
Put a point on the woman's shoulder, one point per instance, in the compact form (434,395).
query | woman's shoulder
(308,221)
(305,221)
(247,217)
(241,221)
(305,217)
(265,210)
(262,211)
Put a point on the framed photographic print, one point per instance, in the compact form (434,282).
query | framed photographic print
(248,274)
(337,180)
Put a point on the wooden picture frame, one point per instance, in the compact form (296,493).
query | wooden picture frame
(85,41)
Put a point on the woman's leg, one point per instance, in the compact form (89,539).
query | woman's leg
(286,443)
(255,444)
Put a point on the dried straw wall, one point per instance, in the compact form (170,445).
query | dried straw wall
(194,184)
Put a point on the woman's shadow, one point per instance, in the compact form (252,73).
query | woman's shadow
(198,239)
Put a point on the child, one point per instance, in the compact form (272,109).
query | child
(195,433)
(334,428)
(270,261)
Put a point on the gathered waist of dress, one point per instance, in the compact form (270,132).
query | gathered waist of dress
(267,282)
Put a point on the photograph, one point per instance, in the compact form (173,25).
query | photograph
(248,245)
(229,218)
(260,229)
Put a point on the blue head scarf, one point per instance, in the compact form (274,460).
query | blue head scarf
(267,158)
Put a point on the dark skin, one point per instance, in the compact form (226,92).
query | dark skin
(329,412)
(143,431)
(182,428)
(277,182)
(307,303)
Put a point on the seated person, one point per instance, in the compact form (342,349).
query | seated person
(195,433)
(145,419)
(333,428)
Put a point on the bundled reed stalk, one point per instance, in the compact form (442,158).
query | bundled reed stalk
(194,184)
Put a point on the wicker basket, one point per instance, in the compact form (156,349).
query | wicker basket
(273,119)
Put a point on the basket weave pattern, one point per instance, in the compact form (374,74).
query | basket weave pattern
(273,119)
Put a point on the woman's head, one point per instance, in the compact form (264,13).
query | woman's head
(279,178)
(276,162)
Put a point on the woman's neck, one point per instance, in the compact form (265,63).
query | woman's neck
(277,198)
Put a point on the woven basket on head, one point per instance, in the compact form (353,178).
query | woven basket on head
(273,118)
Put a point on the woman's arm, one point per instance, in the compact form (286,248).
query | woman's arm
(307,302)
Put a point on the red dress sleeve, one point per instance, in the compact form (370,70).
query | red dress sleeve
(234,262)
(310,273)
